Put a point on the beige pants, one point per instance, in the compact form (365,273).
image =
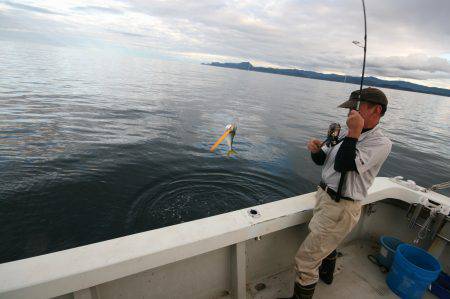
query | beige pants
(330,224)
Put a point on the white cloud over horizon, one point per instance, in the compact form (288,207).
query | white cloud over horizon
(408,40)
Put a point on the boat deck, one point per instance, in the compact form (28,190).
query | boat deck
(355,277)
(358,277)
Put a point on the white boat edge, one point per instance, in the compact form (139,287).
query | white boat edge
(81,268)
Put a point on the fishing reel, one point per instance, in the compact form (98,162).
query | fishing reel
(333,134)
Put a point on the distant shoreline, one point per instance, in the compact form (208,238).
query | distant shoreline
(368,81)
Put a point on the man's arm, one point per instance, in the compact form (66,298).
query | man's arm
(369,153)
(317,154)
(319,157)
(372,152)
(345,157)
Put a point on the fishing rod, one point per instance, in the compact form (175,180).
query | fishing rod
(358,103)
(365,50)
(335,128)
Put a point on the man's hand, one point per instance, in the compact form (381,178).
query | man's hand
(314,145)
(355,124)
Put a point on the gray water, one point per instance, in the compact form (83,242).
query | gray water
(97,145)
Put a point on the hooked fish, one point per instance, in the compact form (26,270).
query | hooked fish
(230,132)
(232,128)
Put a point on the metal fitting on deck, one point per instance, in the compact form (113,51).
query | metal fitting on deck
(254,213)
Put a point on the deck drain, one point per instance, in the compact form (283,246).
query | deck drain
(254,213)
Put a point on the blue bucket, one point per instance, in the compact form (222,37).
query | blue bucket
(412,271)
(387,251)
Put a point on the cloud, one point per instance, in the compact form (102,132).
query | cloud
(414,66)
(98,9)
(130,34)
(29,8)
(406,39)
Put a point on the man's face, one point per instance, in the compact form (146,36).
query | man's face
(369,112)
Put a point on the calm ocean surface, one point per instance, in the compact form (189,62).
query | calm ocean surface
(95,146)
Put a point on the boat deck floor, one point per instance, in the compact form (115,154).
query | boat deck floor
(355,277)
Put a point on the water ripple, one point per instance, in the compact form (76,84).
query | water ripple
(209,189)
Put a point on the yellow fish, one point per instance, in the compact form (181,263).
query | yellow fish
(230,132)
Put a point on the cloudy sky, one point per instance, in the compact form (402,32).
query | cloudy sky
(407,39)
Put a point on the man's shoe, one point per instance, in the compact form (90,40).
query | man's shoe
(326,270)
(302,292)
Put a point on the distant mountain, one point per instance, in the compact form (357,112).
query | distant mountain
(368,81)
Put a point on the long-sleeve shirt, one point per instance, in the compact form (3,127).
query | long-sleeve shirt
(361,159)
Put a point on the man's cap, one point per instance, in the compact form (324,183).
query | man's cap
(369,94)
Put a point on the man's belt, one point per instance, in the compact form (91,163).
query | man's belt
(332,193)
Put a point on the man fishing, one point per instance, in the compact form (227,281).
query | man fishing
(357,159)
